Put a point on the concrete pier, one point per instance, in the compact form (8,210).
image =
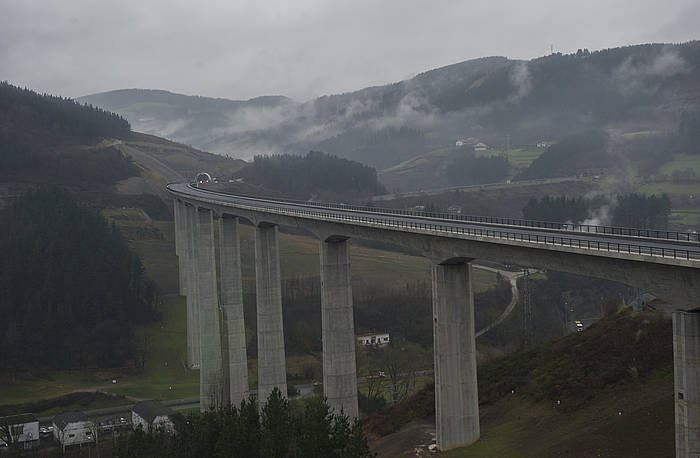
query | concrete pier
(181,244)
(456,397)
(211,379)
(338,330)
(271,361)
(686,368)
(235,360)
(193,337)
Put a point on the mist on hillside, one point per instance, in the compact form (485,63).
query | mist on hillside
(500,101)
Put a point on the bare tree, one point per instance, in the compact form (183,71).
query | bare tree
(399,365)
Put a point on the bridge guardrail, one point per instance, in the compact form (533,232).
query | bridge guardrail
(619,247)
(587,228)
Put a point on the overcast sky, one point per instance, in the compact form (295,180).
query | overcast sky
(302,48)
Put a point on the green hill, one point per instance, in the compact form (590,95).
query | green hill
(507,104)
(606,392)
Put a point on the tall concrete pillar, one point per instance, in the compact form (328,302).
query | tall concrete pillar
(686,369)
(271,362)
(456,397)
(211,378)
(233,325)
(180,244)
(338,330)
(193,336)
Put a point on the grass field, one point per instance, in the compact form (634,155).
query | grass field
(673,189)
(641,133)
(164,369)
(632,421)
(686,216)
(431,166)
(518,158)
(681,162)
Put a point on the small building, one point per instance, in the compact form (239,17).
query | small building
(22,429)
(454,209)
(480,146)
(152,416)
(74,428)
(466,141)
(544,144)
(378,340)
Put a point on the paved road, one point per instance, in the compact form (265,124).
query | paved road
(446,227)
(513,279)
(149,162)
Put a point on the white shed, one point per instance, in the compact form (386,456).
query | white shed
(73,428)
(22,429)
(372,339)
(152,415)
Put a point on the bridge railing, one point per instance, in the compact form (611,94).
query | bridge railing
(432,226)
(496,220)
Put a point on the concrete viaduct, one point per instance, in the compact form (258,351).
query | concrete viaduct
(661,263)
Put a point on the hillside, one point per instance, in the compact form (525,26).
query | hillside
(502,102)
(48,140)
(67,278)
(314,176)
(193,120)
(604,392)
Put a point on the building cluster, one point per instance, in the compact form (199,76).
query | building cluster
(74,428)
(472,141)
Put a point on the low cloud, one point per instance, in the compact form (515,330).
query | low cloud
(633,77)
(520,79)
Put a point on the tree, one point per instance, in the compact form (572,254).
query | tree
(241,431)
(399,365)
(276,425)
(70,288)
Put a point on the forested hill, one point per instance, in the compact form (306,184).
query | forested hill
(545,98)
(316,175)
(49,139)
(56,116)
(70,289)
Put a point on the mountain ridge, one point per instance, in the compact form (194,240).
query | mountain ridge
(544,98)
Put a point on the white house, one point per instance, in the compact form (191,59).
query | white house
(373,339)
(480,146)
(152,415)
(74,428)
(22,429)
(466,141)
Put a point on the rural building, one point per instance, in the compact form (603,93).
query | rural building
(480,146)
(73,428)
(152,415)
(22,429)
(373,339)
(466,141)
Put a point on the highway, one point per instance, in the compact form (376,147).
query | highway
(652,244)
